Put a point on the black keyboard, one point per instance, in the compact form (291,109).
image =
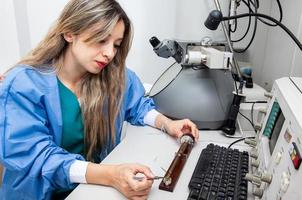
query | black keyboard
(219,174)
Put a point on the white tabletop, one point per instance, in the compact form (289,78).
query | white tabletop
(151,147)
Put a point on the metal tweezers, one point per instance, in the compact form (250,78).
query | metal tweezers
(140,178)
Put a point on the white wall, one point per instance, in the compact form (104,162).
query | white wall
(23,24)
(168,19)
(150,18)
(296,66)
(41,15)
(281,57)
(272,54)
(9,47)
(282,53)
(257,51)
(191,16)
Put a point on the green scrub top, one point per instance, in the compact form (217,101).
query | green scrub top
(72,131)
(73,128)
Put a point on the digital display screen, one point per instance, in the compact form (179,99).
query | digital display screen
(276,130)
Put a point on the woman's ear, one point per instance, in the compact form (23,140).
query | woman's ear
(69,37)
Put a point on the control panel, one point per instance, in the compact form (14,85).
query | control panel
(276,158)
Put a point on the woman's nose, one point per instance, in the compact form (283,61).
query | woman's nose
(109,51)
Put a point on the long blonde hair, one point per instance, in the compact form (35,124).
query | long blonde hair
(101,94)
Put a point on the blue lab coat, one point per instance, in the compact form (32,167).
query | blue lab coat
(31,131)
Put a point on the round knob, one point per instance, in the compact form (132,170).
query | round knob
(278,157)
(284,184)
(268,95)
(154,41)
(285,180)
(251,142)
(263,110)
(258,192)
(254,153)
(255,163)
(266,177)
(254,179)
(258,127)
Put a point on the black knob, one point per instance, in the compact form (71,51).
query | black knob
(154,41)
(213,20)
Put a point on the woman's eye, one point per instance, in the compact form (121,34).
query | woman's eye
(117,46)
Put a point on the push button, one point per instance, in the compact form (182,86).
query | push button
(295,155)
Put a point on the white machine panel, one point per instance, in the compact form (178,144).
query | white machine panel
(279,142)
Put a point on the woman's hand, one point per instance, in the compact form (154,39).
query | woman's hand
(178,128)
(1,77)
(122,177)
(123,180)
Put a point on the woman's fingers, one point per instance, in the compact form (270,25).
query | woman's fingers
(140,185)
(188,127)
(141,192)
(129,185)
(194,130)
(143,197)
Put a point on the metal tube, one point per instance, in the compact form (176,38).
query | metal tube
(229,43)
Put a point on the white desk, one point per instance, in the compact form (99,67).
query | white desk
(155,149)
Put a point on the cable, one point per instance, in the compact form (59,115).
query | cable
(295,84)
(239,140)
(281,15)
(257,1)
(269,18)
(230,30)
(235,136)
(248,4)
(252,112)
(235,28)
(248,26)
(255,102)
(234,78)
(256,6)
(252,38)
(248,121)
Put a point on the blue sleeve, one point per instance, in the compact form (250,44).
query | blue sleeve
(136,105)
(34,164)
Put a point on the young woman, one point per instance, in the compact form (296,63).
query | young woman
(63,105)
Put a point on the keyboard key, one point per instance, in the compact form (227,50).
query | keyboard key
(221,194)
(219,174)
(204,193)
(212,195)
(194,194)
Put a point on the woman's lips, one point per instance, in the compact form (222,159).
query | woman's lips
(101,64)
